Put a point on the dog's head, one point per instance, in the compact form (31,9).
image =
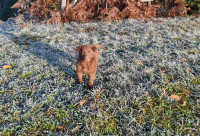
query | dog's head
(87,52)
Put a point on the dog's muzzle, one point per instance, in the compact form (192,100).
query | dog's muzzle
(82,57)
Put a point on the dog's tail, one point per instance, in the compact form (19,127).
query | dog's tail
(99,46)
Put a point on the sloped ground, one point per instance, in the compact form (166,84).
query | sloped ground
(144,64)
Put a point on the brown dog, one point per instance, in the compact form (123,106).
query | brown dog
(87,62)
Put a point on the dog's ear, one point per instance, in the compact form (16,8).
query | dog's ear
(99,46)
(78,48)
(94,48)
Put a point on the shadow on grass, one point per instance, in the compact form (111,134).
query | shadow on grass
(42,50)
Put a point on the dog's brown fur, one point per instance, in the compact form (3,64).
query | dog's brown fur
(87,62)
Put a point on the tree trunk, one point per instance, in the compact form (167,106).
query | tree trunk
(63,4)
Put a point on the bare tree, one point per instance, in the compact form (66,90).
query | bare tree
(63,4)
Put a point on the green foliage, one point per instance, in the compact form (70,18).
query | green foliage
(163,113)
(24,75)
(194,5)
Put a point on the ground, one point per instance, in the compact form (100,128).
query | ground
(147,82)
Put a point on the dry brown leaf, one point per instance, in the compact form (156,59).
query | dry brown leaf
(82,102)
(75,130)
(167,81)
(79,31)
(24,26)
(184,103)
(92,105)
(150,101)
(15,40)
(184,59)
(46,112)
(7,104)
(179,45)
(188,71)
(174,96)
(27,45)
(33,87)
(162,71)
(7,66)
(139,63)
(164,92)
(60,127)
(186,91)
(9,91)
(98,95)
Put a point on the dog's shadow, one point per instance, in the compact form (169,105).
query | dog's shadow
(63,60)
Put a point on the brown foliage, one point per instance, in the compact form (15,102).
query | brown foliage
(105,10)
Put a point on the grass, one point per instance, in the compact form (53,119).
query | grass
(145,64)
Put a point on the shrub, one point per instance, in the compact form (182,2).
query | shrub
(194,6)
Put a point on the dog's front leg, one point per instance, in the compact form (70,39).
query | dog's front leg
(80,76)
(91,80)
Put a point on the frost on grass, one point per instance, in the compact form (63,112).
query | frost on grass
(144,64)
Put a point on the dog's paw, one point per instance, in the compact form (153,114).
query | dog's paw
(90,87)
(79,82)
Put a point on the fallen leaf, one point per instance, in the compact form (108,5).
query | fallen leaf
(92,105)
(24,26)
(75,130)
(15,40)
(150,101)
(7,66)
(163,71)
(184,59)
(167,81)
(33,87)
(157,82)
(7,104)
(27,45)
(98,95)
(165,92)
(179,45)
(9,91)
(60,127)
(186,91)
(188,71)
(79,31)
(174,96)
(82,102)
(184,103)
(48,111)
(139,63)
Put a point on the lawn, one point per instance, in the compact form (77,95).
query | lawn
(148,79)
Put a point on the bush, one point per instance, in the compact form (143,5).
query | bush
(194,6)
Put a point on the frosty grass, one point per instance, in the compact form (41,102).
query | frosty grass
(144,64)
